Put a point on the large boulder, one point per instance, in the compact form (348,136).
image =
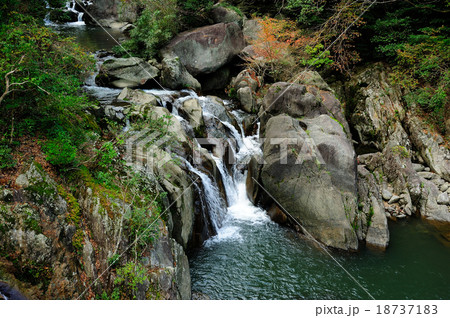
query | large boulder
(175,76)
(222,14)
(302,101)
(126,72)
(206,49)
(310,171)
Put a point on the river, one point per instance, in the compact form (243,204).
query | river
(254,258)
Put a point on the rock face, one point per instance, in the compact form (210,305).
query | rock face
(371,222)
(41,232)
(411,164)
(314,177)
(175,76)
(431,148)
(126,72)
(375,105)
(206,49)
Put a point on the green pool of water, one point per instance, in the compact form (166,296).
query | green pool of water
(266,261)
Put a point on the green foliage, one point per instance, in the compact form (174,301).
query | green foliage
(56,3)
(107,153)
(59,150)
(370,216)
(306,12)
(234,8)
(78,241)
(316,57)
(157,24)
(74,215)
(195,5)
(142,224)
(6,159)
(423,69)
(129,277)
(45,72)
(113,260)
(34,8)
(401,151)
(115,295)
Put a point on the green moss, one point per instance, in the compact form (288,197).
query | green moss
(74,214)
(78,241)
(42,190)
(370,216)
(401,151)
(340,124)
(31,222)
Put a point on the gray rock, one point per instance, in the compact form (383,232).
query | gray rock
(222,14)
(206,49)
(444,187)
(430,209)
(245,96)
(387,195)
(299,102)
(418,167)
(126,72)
(192,110)
(247,78)
(312,164)
(394,199)
(175,76)
(136,97)
(436,155)
(251,30)
(427,175)
(313,78)
(182,274)
(443,199)
(378,232)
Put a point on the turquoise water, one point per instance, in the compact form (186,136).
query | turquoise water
(271,262)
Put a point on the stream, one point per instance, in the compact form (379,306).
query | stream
(253,258)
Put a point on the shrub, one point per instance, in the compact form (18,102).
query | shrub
(157,24)
(6,159)
(129,277)
(60,151)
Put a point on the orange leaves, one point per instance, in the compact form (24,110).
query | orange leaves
(275,39)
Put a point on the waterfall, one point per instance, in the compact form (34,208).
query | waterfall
(216,205)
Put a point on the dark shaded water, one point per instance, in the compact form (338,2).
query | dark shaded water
(91,38)
(270,262)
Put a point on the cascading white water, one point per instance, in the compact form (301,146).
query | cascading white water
(214,201)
